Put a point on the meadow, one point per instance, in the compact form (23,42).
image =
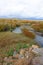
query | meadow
(9,39)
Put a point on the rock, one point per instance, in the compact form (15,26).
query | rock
(38,51)
(5,59)
(37,61)
(16,56)
(23,61)
(35,51)
(8,59)
(35,46)
(14,60)
(30,50)
(21,56)
(27,54)
(26,49)
(22,51)
(14,53)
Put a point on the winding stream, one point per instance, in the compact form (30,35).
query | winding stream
(38,38)
(17,30)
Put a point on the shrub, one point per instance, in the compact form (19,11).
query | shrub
(38,28)
(4,27)
(20,45)
(28,33)
(10,52)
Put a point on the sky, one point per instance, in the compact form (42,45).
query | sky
(23,8)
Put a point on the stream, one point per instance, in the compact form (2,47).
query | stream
(17,30)
(38,38)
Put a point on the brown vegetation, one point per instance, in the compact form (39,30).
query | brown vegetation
(38,27)
(28,33)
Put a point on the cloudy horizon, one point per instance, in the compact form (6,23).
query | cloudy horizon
(23,8)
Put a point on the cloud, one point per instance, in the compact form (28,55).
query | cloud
(24,8)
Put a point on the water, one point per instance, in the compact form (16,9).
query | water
(17,30)
(38,38)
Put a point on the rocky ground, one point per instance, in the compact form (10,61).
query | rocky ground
(26,56)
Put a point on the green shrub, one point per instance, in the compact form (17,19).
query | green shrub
(20,45)
(10,52)
(25,46)
(4,27)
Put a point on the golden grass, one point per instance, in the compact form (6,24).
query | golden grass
(10,39)
(38,27)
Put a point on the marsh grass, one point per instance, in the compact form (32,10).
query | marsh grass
(10,52)
(10,40)
(20,45)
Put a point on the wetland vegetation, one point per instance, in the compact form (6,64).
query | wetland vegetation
(18,34)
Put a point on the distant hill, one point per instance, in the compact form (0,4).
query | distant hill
(20,17)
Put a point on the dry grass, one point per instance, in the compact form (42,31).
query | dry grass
(38,27)
(28,33)
(9,40)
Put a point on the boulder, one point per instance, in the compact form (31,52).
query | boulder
(22,51)
(16,56)
(37,61)
(38,51)
(35,46)
(23,61)
(8,59)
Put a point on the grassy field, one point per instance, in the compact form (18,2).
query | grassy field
(10,40)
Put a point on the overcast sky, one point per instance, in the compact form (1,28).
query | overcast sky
(25,8)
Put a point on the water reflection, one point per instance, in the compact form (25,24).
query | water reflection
(17,30)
